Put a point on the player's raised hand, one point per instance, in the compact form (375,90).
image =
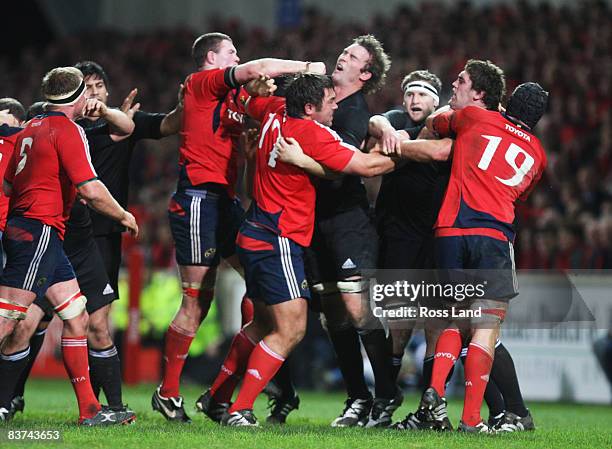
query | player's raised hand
(248,142)
(130,223)
(288,150)
(127,107)
(261,87)
(94,108)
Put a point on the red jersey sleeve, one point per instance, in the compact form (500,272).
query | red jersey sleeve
(328,149)
(73,154)
(449,123)
(442,123)
(259,107)
(215,82)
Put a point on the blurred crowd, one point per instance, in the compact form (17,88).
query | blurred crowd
(566,223)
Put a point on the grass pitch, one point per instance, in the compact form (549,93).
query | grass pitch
(50,405)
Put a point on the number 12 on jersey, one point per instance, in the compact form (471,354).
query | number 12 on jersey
(272,124)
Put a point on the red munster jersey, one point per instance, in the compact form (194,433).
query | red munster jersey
(210,118)
(8,135)
(284,195)
(51,157)
(494,164)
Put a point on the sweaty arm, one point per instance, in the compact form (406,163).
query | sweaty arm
(289,151)
(272,67)
(422,150)
(99,198)
(367,165)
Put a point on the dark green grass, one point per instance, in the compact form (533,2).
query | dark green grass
(51,405)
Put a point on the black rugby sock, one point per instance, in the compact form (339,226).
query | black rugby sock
(377,347)
(503,373)
(11,367)
(348,354)
(396,366)
(105,374)
(36,343)
(284,381)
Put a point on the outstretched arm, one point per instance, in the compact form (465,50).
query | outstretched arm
(120,124)
(422,150)
(272,67)
(370,165)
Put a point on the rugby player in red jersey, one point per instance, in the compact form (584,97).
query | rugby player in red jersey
(204,213)
(278,225)
(51,159)
(496,160)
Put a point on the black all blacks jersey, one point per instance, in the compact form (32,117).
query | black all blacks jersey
(111,161)
(351,123)
(410,197)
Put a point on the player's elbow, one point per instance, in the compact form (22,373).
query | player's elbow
(250,71)
(91,191)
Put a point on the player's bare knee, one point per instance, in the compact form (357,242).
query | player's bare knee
(98,334)
(11,313)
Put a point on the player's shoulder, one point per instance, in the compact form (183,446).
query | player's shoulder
(353,107)
(202,75)
(9,133)
(321,132)
(476,112)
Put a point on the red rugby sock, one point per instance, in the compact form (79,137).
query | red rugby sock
(233,368)
(477,369)
(263,365)
(74,352)
(175,353)
(448,349)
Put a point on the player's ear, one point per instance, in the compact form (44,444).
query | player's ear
(366,75)
(309,109)
(478,95)
(211,56)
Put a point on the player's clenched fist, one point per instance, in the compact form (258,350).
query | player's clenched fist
(94,108)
